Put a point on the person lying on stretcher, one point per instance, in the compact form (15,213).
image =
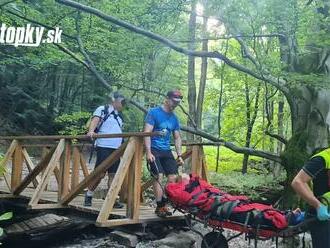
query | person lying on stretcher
(200,198)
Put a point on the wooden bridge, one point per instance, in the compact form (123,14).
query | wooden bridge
(63,159)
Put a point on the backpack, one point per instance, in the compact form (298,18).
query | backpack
(105,113)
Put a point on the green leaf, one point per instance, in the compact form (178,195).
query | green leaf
(1,231)
(6,216)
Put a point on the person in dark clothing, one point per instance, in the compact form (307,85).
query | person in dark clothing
(317,171)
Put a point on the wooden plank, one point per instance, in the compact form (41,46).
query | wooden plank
(4,161)
(7,196)
(44,152)
(81,137)
(32,175)
(123,193)
(46,206)
(75,168)
(30,166)
(57,173)
(134,181)
(194,159)
(16,173)
(117,181)
(95,173)
(204,166)
(65,171)
(117,222)
(46,176)
(83,165)
(127,221)
(186,154)
(200,162)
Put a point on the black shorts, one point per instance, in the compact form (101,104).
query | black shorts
(164,163)
(320,231)
(101,154)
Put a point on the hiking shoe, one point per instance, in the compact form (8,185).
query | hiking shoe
(163,212)
(118,205)
(88,200)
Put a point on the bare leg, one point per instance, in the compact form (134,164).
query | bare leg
(158,191)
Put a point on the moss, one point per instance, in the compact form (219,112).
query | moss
(295,154)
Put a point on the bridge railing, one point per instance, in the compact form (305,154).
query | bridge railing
(64,160)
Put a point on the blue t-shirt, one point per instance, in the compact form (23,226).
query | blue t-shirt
(162,121)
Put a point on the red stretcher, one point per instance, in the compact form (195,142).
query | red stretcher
(193,197)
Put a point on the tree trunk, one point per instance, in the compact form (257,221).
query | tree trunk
(310,114)
(202,83)
(191,68)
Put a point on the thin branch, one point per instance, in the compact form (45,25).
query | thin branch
(72,54)
(269,121)
(233,147)
(231,37)
(276,136)
(36,22)
(8,2)
(215,54)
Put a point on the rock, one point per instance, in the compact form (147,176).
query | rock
(180,240)
(124,238)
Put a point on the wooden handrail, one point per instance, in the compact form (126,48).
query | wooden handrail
(81,137)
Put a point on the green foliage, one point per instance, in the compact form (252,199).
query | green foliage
(72,124)
(228,160)
(295,154)
(253,185)
(2,169)
(5,216)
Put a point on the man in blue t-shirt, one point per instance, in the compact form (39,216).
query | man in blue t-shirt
(158,150)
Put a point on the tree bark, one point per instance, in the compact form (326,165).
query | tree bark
(202,82)
(191,68)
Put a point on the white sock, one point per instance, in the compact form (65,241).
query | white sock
(89,193)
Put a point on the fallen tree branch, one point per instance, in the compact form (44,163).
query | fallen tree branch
(231,146)
(215,54)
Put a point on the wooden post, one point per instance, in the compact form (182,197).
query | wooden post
(33,174)
(47,173)
(204,166)
(194,159)
(75,168)
(16,174)
(134,181)
(65,171)
(117,182)
(3,163)
(123,193)
(83,165)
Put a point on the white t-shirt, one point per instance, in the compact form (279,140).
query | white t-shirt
(109,126)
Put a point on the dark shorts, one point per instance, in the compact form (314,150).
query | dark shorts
(101,154)
(320,232)
(164,163)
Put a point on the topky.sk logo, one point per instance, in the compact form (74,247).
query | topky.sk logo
(28,36)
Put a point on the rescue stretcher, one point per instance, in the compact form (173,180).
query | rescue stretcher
(218,219)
